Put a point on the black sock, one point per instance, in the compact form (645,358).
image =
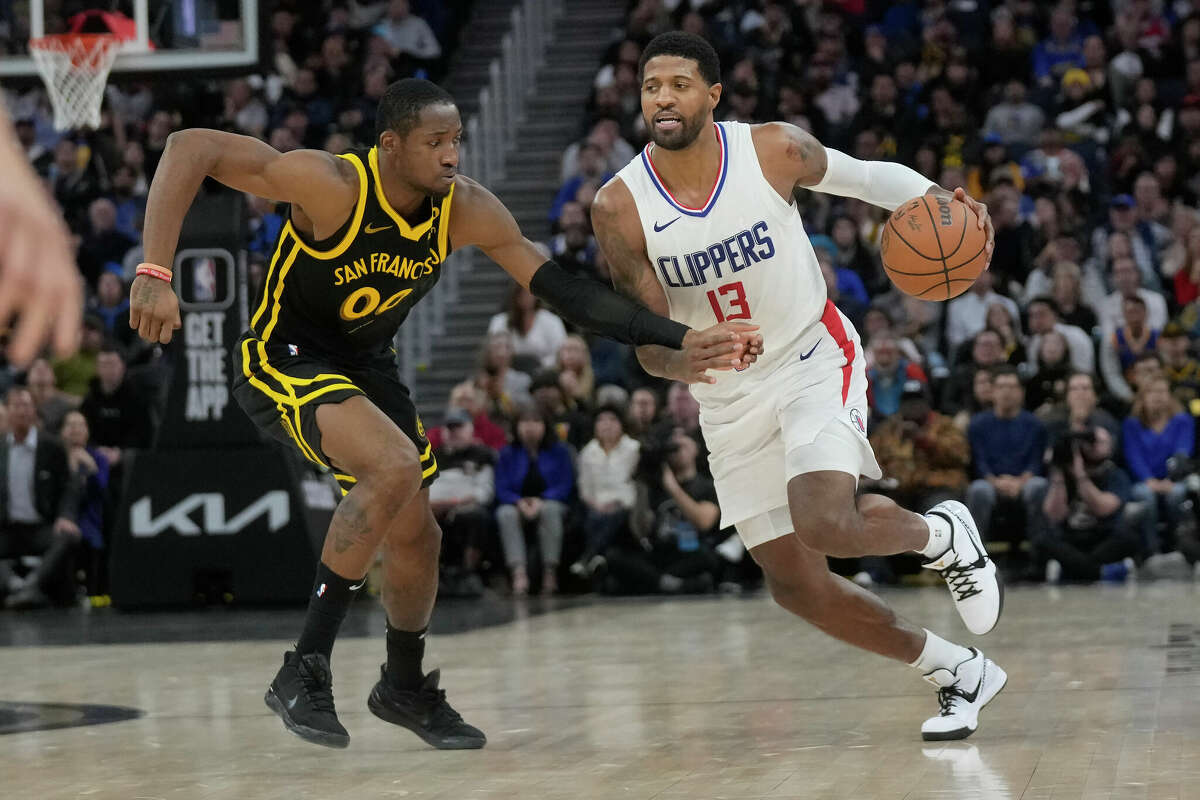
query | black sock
(405,649)
(327,607)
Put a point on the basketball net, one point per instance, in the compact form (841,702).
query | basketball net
(74,67)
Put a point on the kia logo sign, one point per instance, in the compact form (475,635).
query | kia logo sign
(143,524)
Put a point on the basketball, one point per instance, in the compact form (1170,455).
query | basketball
(933,248)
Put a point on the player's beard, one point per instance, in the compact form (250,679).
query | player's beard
(680,138)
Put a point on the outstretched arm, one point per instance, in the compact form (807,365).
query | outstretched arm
(795,159)
(322,186)
(482,220)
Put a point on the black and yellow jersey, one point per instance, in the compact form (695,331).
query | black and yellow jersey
(344,297)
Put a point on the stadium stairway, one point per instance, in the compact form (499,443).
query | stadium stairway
(552,119)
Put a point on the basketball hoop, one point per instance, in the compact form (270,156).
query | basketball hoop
(74,67)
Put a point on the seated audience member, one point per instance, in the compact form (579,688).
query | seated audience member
(980,400)
(850,303)
(676,523)
(575,376)
(1080,530)
(39,501)
(683,411)
(1044,318)
(1007,444)
(535,332)
(1182,371)
(966,315)
(1048,387)
(116,415)
(75,372)
(986,352)
(888,376)
(460,499)
(1067,289)
(572,425)
(52,405)
(91,473)
(112,308)
(469,397)
(924,452)
(1000,318)
(606,469)
(1126,279)
(505,387)
(575,247)
(1157,430)
(534,479)
(1123,346)
(1187,276)
(1081,411)
(643,412)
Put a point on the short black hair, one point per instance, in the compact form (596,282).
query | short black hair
(1048,302)
(998,370)
(402,102)
(1136,299)
(684,45)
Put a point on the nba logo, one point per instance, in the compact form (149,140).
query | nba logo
(293,350)
(204,284)
(856,419)
(321,590)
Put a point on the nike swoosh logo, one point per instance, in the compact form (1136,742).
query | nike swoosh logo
(369,229)
(658,229)
(292,703)
(973,696)
(359,586)
(810,352)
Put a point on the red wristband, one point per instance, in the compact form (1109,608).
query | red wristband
(155,272)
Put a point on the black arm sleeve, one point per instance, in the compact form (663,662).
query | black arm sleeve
(597,308)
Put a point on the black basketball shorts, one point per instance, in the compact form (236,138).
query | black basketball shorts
(279,387)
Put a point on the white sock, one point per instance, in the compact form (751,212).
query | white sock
(939,536)
(940,654)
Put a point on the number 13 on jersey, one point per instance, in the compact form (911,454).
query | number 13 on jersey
(729,302)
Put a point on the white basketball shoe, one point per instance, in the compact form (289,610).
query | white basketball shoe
(962,693)
(968,571)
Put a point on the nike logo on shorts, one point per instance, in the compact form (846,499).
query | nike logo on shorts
(810,352)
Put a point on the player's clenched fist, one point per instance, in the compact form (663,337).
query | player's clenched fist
(728,345)
(153,309)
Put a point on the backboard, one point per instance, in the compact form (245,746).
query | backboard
(168,34)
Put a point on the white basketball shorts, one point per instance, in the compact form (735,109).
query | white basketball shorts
(809,415)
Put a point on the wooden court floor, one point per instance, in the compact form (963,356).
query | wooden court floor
(699,699)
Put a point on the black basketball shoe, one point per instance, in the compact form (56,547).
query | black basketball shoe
(425,712)
(302,696)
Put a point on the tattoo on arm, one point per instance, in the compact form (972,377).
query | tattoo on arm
(807,156)
(631,278)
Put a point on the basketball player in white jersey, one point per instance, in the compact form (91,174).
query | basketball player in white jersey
(701,227)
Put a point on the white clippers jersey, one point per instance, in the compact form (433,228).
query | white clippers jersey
(744,255)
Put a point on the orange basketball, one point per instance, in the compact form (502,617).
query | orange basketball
(933,248)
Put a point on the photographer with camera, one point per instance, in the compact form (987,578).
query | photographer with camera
(1081,528)
(675,524)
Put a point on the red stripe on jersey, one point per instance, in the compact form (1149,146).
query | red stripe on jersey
(716,183)
(833,323)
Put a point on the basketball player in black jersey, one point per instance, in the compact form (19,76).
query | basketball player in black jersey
(366,238)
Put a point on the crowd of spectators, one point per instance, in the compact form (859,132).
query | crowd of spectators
(1056,397)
